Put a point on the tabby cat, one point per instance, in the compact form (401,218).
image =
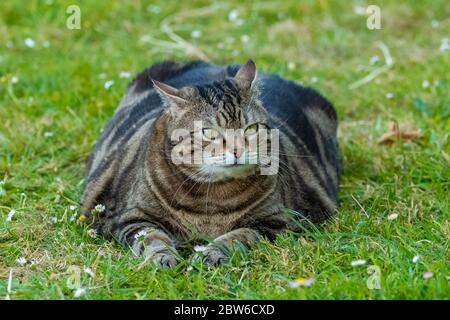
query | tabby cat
(152,203)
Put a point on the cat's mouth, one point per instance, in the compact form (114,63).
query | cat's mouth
(222,172)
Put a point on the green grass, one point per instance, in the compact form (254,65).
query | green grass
(61,90)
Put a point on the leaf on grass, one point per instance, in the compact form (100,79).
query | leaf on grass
(395,134)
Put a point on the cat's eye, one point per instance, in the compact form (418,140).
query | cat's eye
(252,129)
(210,134)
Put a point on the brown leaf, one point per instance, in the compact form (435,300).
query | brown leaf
(395,134)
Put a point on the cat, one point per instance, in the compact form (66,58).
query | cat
(151,203)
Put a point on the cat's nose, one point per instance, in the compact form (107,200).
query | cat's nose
(237,152)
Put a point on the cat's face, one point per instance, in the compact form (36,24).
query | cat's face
(215,131)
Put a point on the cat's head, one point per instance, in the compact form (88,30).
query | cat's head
(214,131)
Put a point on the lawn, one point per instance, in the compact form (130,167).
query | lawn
(59,86)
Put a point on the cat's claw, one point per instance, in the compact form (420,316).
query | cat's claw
(164,260)
(211,256)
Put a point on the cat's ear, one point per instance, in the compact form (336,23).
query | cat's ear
(168,92)
(246,74)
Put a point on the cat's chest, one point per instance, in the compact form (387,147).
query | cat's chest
(209,225)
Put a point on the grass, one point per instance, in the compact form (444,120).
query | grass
(53,114)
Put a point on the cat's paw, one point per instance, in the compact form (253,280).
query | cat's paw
(210,256)
(164,259)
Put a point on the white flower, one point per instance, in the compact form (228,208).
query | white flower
(92,233)
(14,79)
(392,216)
(124,74)
(291,65)
(10,215)
(445,45)
(99,208)
(359,10)
(415,259)
(425,84)
(199,248)
(48,134)
(145,38)
(189,268)
(72,208)
(73,217)
(22,261)
(301,282)
(53,220)
(233,15)
(389,95)
(374,59)
(46,44)
(358,263)
(108,84)
(140,236)
(79,292)
(314,79)
(196,34)
(88,271)
(29,42)
(154,9)
(435,24)
(245,38)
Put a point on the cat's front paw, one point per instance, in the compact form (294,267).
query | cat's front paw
(164,259)
(210,256)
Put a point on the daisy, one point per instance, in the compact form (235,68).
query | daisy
(79,292)
(48,134)
(22,261)
(245,38)
(374,59)
(88,271)
(92,233)
(29,42)
(108,84)
(10,215)
(445,45)
(124,74)
(99,208)
(358,263)
(233,15)
(196,34)
(199,248)
(141,235)
(301,282)
(392,216)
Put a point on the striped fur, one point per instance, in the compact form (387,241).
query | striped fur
(151,203)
